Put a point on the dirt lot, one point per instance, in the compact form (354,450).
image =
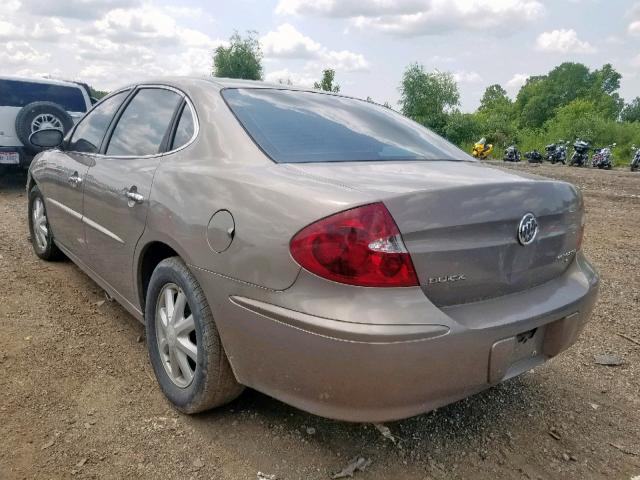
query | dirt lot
(78,398)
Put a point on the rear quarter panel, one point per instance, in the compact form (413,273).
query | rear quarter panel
(223,169)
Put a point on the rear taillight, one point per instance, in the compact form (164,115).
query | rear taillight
(361,246)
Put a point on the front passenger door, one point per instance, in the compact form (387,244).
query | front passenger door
(67,170)
(118,184)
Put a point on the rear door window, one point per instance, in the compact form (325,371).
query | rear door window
(185,129)
(144,123)
(90,132)
(16,93)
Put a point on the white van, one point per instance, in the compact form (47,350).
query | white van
(30,104)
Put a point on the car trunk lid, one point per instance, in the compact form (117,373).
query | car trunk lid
(459,222)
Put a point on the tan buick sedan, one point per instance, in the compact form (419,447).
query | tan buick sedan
(321,249)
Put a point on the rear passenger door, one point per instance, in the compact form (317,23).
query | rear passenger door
(116,192)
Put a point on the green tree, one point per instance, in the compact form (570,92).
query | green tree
(241,59)
(495,116)
(607,79)
(428,98)
(495,97)
(462,128)
(326,83)
(540,98)
(631,111)
(97,94)
(579,119)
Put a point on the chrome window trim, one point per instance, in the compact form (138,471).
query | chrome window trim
(183,96)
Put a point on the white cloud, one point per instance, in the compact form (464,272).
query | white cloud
(517,81)
(635,62)
(467,77)
(344,60)
(50,30)
(8,30)
(563,41)
(422,17)
(634,28)
(349,8)
(10,6)
(148,25)
(78,9)
(20,54)
(126,45)
(287,42)
(92,49)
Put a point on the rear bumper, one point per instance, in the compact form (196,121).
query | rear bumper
(396,356)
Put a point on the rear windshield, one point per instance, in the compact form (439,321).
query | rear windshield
(299,127)
(15,93)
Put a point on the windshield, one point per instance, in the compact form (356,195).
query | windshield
(297,127)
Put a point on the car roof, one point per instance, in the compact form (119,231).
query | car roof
(198,82)
(218,82)
(49,81)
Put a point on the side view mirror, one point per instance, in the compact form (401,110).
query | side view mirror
(47,138)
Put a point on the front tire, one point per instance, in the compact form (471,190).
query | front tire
(184,345)
(41,235)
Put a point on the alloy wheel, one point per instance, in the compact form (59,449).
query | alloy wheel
(176,335)
(46,121)
(40,224)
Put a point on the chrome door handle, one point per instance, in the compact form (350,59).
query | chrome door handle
(75,179)
(133,195)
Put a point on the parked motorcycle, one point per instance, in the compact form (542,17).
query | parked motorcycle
(482,149)
(511,154)
(534,156)
(635,162)
(602,158)
(580,157)
(556,152)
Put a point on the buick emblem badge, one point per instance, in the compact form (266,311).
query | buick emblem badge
(527,229)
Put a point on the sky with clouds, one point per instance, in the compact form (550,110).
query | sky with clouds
(369,43)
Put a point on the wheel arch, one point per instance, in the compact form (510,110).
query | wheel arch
(31,182)
(151,254)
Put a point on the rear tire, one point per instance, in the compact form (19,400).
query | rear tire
(39,228)
(184,345)
(39,115)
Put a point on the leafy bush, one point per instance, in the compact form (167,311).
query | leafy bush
(569,102)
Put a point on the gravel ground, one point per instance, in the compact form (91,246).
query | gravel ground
(78,398)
